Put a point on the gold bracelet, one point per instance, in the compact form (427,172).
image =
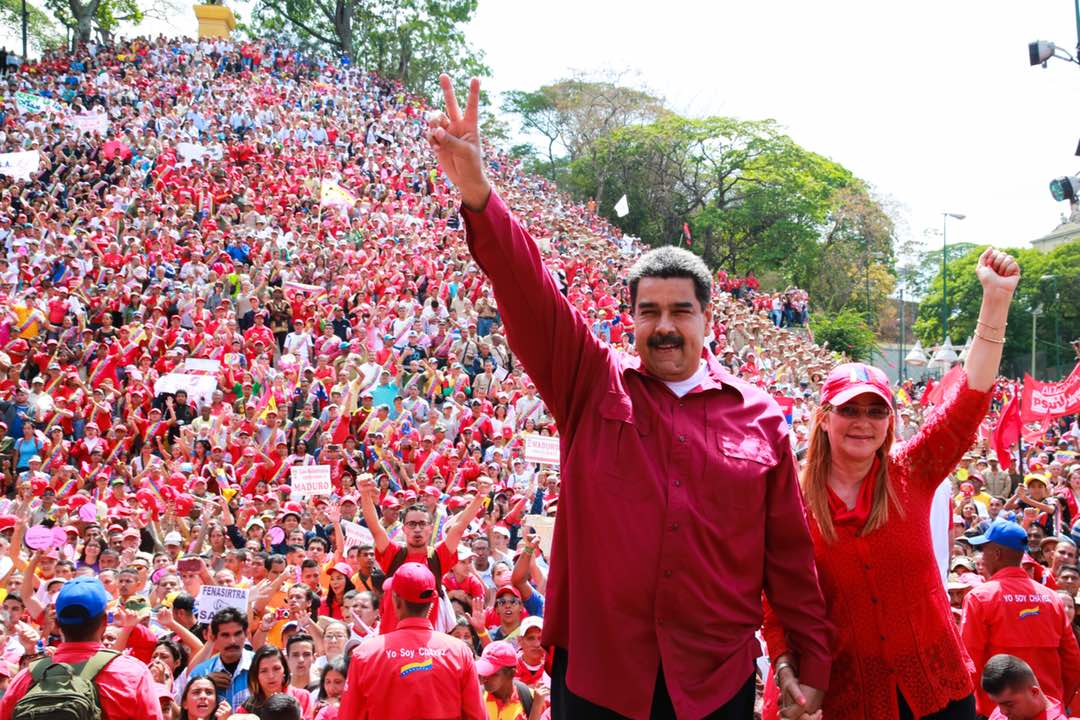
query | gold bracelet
(989,340)
(992,327)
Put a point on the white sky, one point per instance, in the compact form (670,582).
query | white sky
(934,103)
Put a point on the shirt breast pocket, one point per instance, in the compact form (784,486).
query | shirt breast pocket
(737,472)
(621,467)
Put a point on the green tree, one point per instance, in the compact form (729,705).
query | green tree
(407,40)
(965,296)
(845,332)
(41,31)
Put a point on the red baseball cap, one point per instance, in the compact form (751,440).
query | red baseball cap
(414,583)
(850,380)
(508,590)
(390,502)
(344,568)
(497,655)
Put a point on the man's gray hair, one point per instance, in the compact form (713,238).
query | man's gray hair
(672,262)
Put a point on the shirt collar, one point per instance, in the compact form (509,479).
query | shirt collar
(717,377)
(415,622)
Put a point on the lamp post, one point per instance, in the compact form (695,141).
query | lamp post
(1057,313)
(945,269)
(24,29)
(1034,331)
(900,358)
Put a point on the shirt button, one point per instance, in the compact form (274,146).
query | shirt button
(667,573)
(682,404)
(678,483)
(873,600)
(682,438)
(866,567)
(674,526)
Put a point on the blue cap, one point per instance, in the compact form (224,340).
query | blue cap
(81,600)
(1005,533)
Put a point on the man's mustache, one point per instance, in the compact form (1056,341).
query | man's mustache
(672,339)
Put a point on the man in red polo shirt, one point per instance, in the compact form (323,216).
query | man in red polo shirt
(412,671)
(700,460)
(1013,614)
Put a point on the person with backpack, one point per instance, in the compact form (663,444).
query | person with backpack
(82,680)
(418,523)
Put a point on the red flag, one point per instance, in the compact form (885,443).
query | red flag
(686,234)
(1007,432)
(948,380)
(925,399)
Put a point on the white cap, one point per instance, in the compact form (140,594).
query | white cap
(174,538)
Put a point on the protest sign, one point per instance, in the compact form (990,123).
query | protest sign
(202,365)
(32,103)
(200,388)
(217,597)
(310,480)
(89,122)
(545,528)
(542,449)
(356,534)
(20,165)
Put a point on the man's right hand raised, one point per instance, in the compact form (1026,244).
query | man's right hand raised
(455,138)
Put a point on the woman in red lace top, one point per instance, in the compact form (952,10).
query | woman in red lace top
(896,649)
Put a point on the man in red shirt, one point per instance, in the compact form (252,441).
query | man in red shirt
(1013,614)
(412,671)
(418,525)
(1013,687)
(700,460)
(125,687)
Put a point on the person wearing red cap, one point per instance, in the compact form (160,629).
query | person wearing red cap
(695,456)
(506,697)
(897,652)
(412,671)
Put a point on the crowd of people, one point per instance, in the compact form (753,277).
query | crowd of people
(188,320)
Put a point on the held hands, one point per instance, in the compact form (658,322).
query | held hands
(998,271)
(455,138)
(798,701)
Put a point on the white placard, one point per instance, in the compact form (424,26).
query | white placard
(200,388)
(202,365)
(89,122)
(356,534)
(20,165)
(310,480)
(216,597)
(542,449)
(33,103)
(545,528)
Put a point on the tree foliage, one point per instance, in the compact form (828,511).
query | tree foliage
(965,297)
(845,332)
(407,40)
(41,31)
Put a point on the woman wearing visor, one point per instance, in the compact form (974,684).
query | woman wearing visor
(896,649)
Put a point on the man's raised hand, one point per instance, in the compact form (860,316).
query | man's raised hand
(455,138)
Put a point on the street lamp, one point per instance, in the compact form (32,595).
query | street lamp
(1057,314)
(945,268)
(1034,331)
(1040,51)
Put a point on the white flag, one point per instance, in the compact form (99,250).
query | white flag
(621,207)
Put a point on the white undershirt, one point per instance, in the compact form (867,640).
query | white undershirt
(681,387)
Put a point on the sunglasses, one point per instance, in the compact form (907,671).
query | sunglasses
(853,412)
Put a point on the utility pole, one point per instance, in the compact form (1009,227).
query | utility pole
(24,21)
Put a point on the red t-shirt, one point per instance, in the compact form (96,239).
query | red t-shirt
(386,558)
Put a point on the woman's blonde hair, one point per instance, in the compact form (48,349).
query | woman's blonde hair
(815,479)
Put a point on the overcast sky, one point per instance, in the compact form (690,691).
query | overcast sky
(934,103)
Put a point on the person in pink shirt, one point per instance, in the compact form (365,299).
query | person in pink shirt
(1011,685)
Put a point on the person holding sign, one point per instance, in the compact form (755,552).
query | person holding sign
(418,524)
(699,459)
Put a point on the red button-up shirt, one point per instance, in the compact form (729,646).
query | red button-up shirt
(674,513)
(125,687)
(412,672)
(1011,613)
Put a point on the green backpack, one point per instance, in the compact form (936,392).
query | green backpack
(60,691)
